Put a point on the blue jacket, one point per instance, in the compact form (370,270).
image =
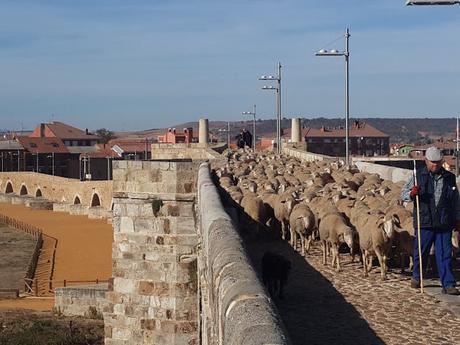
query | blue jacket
(442,215)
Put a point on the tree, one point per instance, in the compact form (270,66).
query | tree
(105,135)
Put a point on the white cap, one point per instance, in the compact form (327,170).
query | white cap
(433,154)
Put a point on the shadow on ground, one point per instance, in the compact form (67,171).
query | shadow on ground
(313,311)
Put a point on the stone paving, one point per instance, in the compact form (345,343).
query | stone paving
(324,307)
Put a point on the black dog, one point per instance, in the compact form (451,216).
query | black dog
(275,272)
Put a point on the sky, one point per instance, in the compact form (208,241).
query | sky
(132,65)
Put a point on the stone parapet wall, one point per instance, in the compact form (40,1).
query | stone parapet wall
(305,155)
(235,306)
(154,298)
(386,172)
(58,189)
(82,300)
(186,151)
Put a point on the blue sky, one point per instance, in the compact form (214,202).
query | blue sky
(129,65)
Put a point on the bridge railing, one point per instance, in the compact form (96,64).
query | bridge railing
(308,156)
(234,301)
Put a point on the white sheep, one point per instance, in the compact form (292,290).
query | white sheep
(302,222)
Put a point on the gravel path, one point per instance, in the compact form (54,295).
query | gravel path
(324,307)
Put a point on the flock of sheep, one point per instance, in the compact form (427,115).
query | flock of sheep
(320,200)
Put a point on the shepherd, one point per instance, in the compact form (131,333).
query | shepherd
(436,213)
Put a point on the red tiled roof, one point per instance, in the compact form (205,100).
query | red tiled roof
(65,131)
(101,153)
(42,145)
(361,129)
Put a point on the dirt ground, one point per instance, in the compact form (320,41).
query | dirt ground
(22,327)
(16,250)
(84,247)
(322,306)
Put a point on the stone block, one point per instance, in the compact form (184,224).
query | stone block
(124,285)
(184,225)
(119,175)
(126,224)
(121,334)
(119,164)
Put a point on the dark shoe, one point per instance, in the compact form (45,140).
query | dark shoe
(450,291)
(415,284)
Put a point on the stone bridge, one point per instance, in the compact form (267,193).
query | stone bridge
(74,196)
(180,272)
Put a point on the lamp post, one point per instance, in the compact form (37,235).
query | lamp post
(346,55)
(253,113)
(278,103)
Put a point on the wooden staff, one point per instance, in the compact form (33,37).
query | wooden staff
(417,203)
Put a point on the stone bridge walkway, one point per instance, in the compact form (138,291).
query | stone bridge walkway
(323,307)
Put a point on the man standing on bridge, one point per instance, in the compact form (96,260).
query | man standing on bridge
(439,214)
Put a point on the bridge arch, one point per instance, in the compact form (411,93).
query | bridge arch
(23,190)
(95,200)
(38,193)
(77,200)
(9,188)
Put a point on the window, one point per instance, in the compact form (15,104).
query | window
(33,145)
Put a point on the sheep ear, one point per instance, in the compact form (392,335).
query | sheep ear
(396,219)
(381,221)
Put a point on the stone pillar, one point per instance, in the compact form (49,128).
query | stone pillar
(153,297)
(296,131)
(204,132)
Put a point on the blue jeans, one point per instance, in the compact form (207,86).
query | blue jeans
(443,249)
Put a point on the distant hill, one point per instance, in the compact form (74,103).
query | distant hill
(400,130)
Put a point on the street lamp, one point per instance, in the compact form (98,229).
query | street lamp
(253,113)
(430,2)
(278,103)
(346,54)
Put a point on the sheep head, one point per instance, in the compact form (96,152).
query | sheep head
(388,223)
